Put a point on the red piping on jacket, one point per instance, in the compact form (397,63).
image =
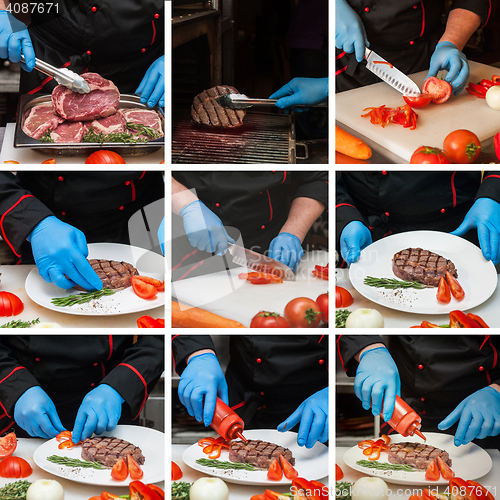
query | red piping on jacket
(342,54)
(239,405)
(344,205)
(2,431)
(453,190)
(4,379)
(340,70)
(423,18)
(154,32)
(495,354)
(321,338)
(198,264)
(340,355)
(284,177)
(132,186)
(47,80)
(3,217)
(143,381)
(172,351)
(270,206)
(103,370)
(142,175)
(110,338)
(488,16)
(184,258)
(492,175)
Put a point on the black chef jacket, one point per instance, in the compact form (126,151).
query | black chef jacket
(67,367)
(268,376)
(99,203)
(252,204)
(117,39)
(437,371)
(404,32)
(396,201)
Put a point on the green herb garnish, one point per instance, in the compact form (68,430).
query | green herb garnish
(341,316)
(75,462)
(15,491)
(218,464)
(343,490)
(144,129)
(393,283)
(385,465)
(46,138)
(83,297)
(20,324)
(93,136)
(180,490)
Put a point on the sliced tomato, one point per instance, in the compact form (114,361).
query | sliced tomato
(429,155)
(176,472)
(15,467)
(479,491)
(142,289)
(419,101)
(134,468)
(432,472)
(444,468)
(456,289)
(159,285)
(275,473)
(443,292)
(438,89)
(260,281)
(5,306)
(8,445)
(339,473)
(322,302)
(288,470)
(12,304)
(342,297)
(120,470)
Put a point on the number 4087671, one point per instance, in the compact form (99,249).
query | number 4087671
(32,7)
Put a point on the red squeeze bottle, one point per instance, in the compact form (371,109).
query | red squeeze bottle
(226,422)
(405,420)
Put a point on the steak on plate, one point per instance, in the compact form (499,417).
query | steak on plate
(417,455)
(258,453)
(112,273)
(424,266)
(108,450)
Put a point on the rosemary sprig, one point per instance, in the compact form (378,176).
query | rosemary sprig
(144,129)
(46,138)
(218,464)
(385,466)
(93,136)
(20,324)
(75,462)
(341,316)
(393,283)
(83,297)
(15,491)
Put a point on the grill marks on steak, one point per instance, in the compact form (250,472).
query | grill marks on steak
(258,453)
(112,273)
(417,455)
(206,111)
(108,450)
(424,266)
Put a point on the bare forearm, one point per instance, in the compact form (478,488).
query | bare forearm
(4,4)
(303,213)
(197,353)
(181,196)
(460,26)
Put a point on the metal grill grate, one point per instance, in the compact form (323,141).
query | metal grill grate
(263,138)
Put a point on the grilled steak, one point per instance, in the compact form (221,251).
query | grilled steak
(416,264)
(206,111)
(258,453)
(108,450)
(417,455)
(113,274)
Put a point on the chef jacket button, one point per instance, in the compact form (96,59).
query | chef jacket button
(63,213)
(384,172)
(387,214)
(121,207)
(60,178)
(414,6)
(411,42)
(321,361)
(258,360)
(367,9)
(127,183)
(263,227)
(217,205)
(422,399)
(420,367)
(89,52)
(94,9)
(92,384)
(37,359)
(262,393)
(156,16)
(481,368)
(143,50)
(96,364)
(443,210)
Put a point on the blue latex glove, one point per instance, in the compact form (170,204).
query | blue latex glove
(485,216)
(202,378)
(15,40)
(350,34)
(377,380)
(35,412)
(152,87)
(303,91)
(161,235)
(354,237)
(447,56)
(478,416)
(100,411)
(313,417)
(60,249)
(204,229)
(286,248)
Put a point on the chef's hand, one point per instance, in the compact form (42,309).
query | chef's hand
(354,238)
(377,380)
(152,87)
(100,411)
(350,34)
(447,56)
(286,248)
(485,216)
(313,417)
(478,416)
(60,252)
(15,40)
(35,412)
(161,236)
(301,91)
(204,229)
(202,378)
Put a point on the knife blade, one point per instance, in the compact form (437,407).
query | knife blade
(259,262)
(390,74)
(241,101)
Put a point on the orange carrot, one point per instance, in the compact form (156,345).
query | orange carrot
(194,317)
(342,159)
(351,146)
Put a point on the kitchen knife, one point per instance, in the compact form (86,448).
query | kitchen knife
(259,262)
(241,101)
(391,75)
(63,76)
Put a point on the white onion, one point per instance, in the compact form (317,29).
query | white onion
(493,97)
(46,324)
(365,318)
(45,489)
(209,488)
(370,488)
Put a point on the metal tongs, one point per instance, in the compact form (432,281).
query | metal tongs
(62,76)
(241,101)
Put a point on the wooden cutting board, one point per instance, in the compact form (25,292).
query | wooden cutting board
(435,121)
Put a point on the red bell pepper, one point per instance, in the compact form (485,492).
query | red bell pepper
(459,319)
(465,490)
(139,491)
(109,496)
(149,322)
(157,489)
(477,90)
(309,490)
(479,491)
(321,488)
(339,473)
(496,144)
(480,321)
(272,495)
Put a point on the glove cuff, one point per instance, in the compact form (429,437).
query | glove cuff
(201,355)
(40,225)
(373,350)
(447,44)
(494,391)
(293,235)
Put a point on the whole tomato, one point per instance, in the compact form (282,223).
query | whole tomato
(322,302)
(462,146)
(342,297)
(104,156)
(427,154)
(266,319)
(302,312)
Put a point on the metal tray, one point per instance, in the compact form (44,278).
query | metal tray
(21,140)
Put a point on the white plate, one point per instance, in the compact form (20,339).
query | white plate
(477,275)
(468,461)
(312,463)
(150,441)
(122,302)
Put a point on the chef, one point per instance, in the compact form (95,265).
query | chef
(94,37)
(452,381)
(408,34)
(271,380)
(216,207)
(48,217)
(81,383)
(371,205)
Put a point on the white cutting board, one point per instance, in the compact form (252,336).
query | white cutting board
(435,121)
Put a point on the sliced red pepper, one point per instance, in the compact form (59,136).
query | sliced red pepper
(474,88)
(320,275)
(321,489)
(149,322)
(67,444)
(443,292)
(157,490)
(456,289)
(308,488)
(486,83)
(275,473)
(272,495)
(427,324)
(288,470)
(459,319)
(495,79)
(480,321)
(433,495)
(432,472)
(480,492)
(139,491)
(322,269)
(63,434)
(109,496)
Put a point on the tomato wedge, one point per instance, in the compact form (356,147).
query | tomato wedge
(288,470)
(444,468)
(176,472)
(15,467)
(120,470)
(456,290)
(339,473)
(443,293)
(275,473)
(159,285)
(142,289)
(134,468)
(419,101)
(432,472)
(8,445)
(438,89)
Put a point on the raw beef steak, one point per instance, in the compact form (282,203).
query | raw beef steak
(108,450)
(41,119)
(101,101)
(148,117)
(112,124)
(416,264)
(258,453)
(206,111)
(68,132)
(417,455)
